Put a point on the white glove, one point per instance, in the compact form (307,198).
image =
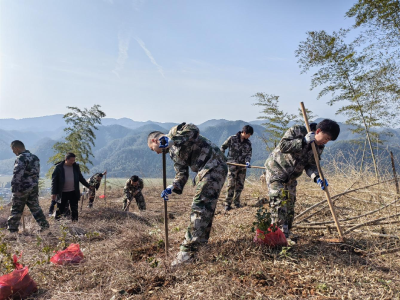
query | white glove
(310,137)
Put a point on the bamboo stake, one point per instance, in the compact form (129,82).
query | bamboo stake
(23,220)
(240,165)
(321,175)
(337,196)
(165,202)
(105,185)
(356,217)
(394,173)
(369,222)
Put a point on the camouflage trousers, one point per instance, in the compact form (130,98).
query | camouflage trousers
(282,198)
(139,201)
(203,208)
(236,178)
(19,200)
(92,195)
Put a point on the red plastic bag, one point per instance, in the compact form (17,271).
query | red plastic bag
(271,239)
(102,196)
(18,283)
(71,255)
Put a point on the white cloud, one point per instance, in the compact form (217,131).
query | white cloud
(150,56)
(123,46)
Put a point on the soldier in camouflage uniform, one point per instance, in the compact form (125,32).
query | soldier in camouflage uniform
(287,162)
(24,187)
(94,181)
(187,148)
(133,189)
(240,153)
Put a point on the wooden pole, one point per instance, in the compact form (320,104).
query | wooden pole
(165,202)
(23,220)
(240,165)
(321,175)
(394,173)
(105,185)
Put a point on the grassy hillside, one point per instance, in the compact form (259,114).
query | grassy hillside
(125,259)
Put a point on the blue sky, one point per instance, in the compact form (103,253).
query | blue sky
(166,61)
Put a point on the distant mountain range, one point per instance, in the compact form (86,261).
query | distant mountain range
(121,145)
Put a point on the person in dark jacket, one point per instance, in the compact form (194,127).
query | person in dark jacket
(65,186)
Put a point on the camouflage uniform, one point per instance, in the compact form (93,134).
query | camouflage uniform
(284,165)
(132,191)
(240,153)
(25,191)
(190,149)
(96,184)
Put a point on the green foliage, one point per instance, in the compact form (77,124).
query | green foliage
(285,252)
(153,262)
(41,184)
(369,89)
(277,121)
(263,221)
(80,136)
(62,244)
(6,260)
(48,250)
(380,20)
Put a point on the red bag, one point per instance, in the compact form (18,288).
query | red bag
(71,255)
(272,239)
(18,283)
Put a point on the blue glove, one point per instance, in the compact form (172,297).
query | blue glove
(248,165)
(321,183)
(310,137)
(164,141)
(166,192)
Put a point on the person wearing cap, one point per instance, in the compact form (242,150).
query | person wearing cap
(133,189)
(94,181)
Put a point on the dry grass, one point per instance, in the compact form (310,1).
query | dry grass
(124,254)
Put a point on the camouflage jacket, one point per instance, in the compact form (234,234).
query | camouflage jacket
(292,156)
(26,172)
(239,152)
(94,182)
(130,189)
(190,149)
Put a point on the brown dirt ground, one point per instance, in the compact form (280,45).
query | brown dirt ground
(125,258)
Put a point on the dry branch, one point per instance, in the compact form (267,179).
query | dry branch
(370,222)
(356,217)
(338,195)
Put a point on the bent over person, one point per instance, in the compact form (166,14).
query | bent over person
(187,148)
(240,153)
(287,162)
(94,182)
(65,186)
(133,189)
(25,188)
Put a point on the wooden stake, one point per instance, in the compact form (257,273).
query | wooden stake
(23,220)
(321,175)
(165,202)
(105,185)
(240,165)
(394,173)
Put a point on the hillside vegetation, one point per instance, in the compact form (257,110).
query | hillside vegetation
(125,259)
(123,151)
